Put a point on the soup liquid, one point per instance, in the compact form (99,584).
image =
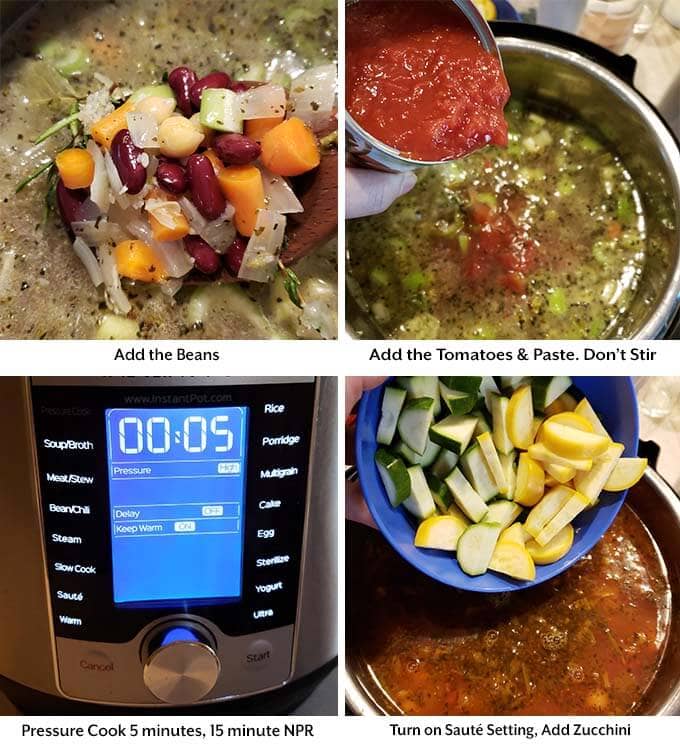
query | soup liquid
(544,239)
(587,642)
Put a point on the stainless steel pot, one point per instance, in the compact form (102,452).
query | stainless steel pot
(578,77)
(659,508)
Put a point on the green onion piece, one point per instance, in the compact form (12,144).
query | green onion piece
(557,301)
(35,175)
(625,210)
(415,281)
(379,277)
(464,242)
(329,141)
(57,127)
(487,198)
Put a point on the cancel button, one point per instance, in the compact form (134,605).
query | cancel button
(97,661)
(259,654)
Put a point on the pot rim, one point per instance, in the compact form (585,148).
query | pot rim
(361,704)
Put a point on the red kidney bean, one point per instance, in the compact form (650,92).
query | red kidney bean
(172,177)
(233,256)
(206,259)
(235,149)
(214,80)
(205,190)
(181,80)
(126,157)
(69,201)
(239,86)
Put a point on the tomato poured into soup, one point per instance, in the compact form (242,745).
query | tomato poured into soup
(419,80)
(587,642)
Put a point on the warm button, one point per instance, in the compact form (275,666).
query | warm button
(258,654)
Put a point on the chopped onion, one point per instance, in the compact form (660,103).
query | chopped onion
(220,237)
(174,259)
(262,252)
(86,255)
(163,211)
(143,130)
(115,296)
(279,196)
(312,96)
(151,167)
(118,190)
(171,287)
(6,269)
(267,101)
(196,220)
(96,233)
(99,188)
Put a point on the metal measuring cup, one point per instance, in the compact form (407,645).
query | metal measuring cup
(367,151)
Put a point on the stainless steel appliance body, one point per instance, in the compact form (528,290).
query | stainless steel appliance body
(87,608)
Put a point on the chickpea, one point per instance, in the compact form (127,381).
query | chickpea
(178,138)
(160,108)
(195,120)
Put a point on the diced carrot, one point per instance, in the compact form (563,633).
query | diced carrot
(256,129)
(137,261)
(290,148)
(243,188)
(162,232)
(180,225)
(614,229)
(217,163)
(76,167)
(105,129)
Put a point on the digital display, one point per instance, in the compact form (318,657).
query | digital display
(176,490)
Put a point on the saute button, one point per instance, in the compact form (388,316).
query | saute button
(258,654)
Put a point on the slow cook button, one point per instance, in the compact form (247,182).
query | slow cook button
(96,661)
(75,568)
(258,654)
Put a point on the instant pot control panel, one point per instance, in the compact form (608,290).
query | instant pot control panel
(173,518)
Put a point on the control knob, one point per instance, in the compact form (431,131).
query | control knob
(181,665)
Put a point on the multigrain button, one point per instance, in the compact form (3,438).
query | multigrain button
(258,654)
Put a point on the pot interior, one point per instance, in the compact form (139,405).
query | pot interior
(571,83)
(658,509)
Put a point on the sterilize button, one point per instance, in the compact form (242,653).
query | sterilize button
(258,654)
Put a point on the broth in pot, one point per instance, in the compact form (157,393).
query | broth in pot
(588,642)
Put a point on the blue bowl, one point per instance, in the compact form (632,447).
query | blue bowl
(613,398)
(506,12)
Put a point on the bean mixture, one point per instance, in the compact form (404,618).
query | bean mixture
(543,239)
(45,291)
(586,642)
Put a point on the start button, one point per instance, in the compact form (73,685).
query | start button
(258,654)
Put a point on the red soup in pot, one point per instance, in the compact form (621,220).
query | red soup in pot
(419,80)
(587,642)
